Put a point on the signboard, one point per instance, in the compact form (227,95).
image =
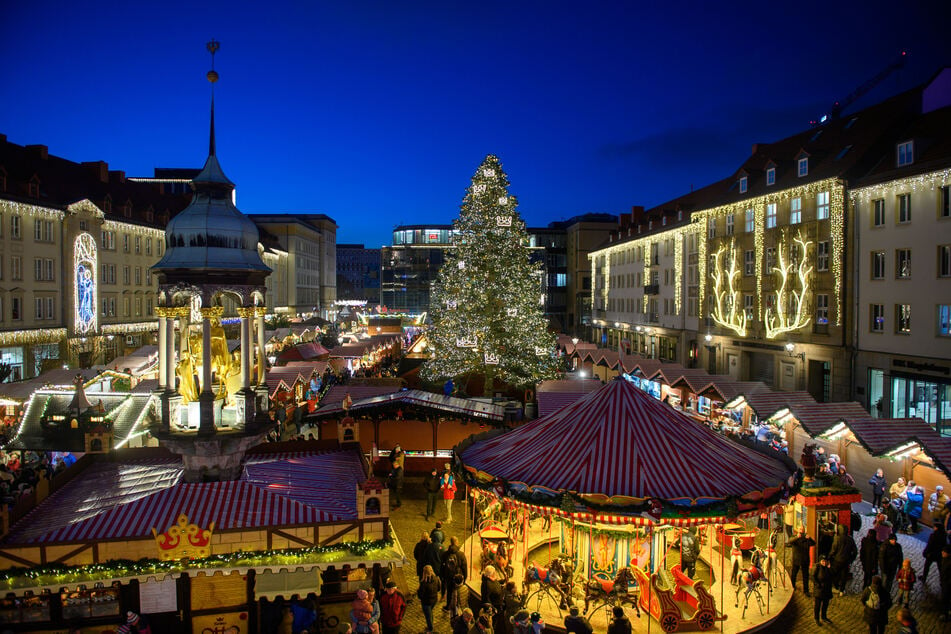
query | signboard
(331,615)
(156,597)
(227,623)
(219,591)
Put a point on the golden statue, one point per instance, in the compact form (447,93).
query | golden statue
(187,380)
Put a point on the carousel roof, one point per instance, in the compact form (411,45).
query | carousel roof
(619,442)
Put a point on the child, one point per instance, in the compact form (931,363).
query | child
(906,580)
(360,612)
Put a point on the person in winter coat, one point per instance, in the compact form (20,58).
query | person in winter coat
(914,500)
(439,540)
(882,527)
(897,490)
(876,602)
(800,546)
(878,489)
(491,592)
(823,578)
(890,556)
(938,505)
(426,554)
(945,574)
(431,484)
(906,622)
(464,623)
(620,624)
(575,623)
(392,609)
(453,563)
(843,554)
(448,485)
(689,551)
(932,552)
(868,553)
(429,588)
(906,579)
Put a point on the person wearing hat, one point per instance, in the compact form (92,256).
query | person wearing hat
(575,623)
(823,579)
(890,556)
(448,485)
(137,624)
(392,608)
(620,624)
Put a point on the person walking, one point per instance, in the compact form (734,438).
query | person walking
(800,546)
(429,588)
(491,592)
(823,578)
(878,489)
(868,553)
(438,538)
(932,551)
(906,578)
(448,485)
(875,602)
(431,484)
(453,563)
(392,609)
(397,460)
(426,554)
(843,554)
(890,556)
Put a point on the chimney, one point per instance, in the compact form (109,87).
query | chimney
(116,176)
(99,168)
(3,138)
(637,213)
(39,150)
(624,221)
(755,148)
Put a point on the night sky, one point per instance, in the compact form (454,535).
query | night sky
(378,113)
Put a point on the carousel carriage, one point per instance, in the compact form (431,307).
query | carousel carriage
(676,601)
(496,546)
(556,581)
(606,592)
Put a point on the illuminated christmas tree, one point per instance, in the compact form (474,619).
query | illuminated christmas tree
(487,300)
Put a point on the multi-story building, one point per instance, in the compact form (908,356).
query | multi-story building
(76,245)
(902,259)
(583,234)
(762,266)
(309,242)
(358,273)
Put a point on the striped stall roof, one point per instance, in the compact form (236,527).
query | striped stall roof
(817,418)
(620,441)
(881,435)
(335,395)
(765,404)
(126,500)
(726,389)
(554,395)
(694,379)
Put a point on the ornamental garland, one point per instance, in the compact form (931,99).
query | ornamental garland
(62,573)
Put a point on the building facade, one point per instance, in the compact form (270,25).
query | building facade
(358,273)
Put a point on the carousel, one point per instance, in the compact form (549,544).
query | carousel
(620,500)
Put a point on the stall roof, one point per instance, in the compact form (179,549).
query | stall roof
(418,398)
(553,395)
(765,404)
(335,395)
(818,418)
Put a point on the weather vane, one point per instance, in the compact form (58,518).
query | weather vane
(213,47)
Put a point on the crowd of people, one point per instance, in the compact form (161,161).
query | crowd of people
(21,471)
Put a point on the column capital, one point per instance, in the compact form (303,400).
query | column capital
(246,311)
(163,311)
(212,312)
(181,311)
(260,311)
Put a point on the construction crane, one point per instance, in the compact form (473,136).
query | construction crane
(839,106)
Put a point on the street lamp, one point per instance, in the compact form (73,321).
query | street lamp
(791,351)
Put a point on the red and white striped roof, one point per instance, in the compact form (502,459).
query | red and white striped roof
(112,500)
(620,441)
(553,395)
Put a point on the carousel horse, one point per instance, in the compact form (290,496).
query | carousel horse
(558,577)
(750,579)
(613,591)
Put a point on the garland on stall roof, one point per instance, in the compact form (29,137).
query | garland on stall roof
(63,573)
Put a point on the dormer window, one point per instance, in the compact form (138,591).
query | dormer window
(34,188)
(906,153)
(771,176)
(803,167)
(127,209)
(663,221)
(107,205)
(742,184)
(3,179)
(680,214)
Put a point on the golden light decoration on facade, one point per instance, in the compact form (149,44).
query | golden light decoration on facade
(789,311)
(727,310)
(41,335)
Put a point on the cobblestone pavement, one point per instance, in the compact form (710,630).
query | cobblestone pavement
(846,611)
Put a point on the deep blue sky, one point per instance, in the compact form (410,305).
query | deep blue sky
(378,113)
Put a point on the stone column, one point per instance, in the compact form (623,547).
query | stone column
(207,314)
(259,313)
(246,312)
(170,348)
(162,345)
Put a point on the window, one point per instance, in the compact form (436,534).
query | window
(15,227)
(770,215)
(944,202)
(944,320)
(771,176)
(906,153)
(138,244)
(729,224)
(903,319)
(904,208)
(109,240)
(148,246)
(712,228)
(138,277)
(749,263)
(802,167)
(795,211)
(878,212)
(748,306)
(15,308)
(748,220)
(822,205)
(125,277)
(50,307)
(902,264)
(49,269)
(16,267)
(125,242)
(742,184)
(878,265)
(38,269)
(822,308)
(876,316)
(822,256)
(944,260)
(770,259)
(38,308)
